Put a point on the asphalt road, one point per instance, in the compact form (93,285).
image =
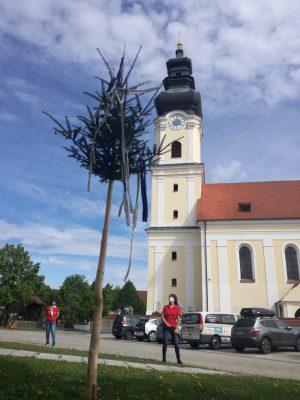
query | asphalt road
(283,363)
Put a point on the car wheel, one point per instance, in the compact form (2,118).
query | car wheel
(265,346)
(152,336)
(118,336)
(194,345)
(128,334)
(215,343)
(239,349)
(297,347)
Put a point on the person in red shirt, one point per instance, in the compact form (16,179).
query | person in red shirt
(52,313)
(170,316)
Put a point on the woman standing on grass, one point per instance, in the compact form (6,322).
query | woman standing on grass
(170,317)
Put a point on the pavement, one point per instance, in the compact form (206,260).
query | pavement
(283,363)
(115,363)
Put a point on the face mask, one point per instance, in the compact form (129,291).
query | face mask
(171,300)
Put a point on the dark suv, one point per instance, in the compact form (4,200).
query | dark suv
(124,326)
(259,328)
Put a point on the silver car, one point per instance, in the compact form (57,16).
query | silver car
(259,328)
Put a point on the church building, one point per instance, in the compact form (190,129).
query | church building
(218,247)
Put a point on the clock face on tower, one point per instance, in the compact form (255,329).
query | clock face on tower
(176,122)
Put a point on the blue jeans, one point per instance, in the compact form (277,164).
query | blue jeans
(50,327)
(174,337)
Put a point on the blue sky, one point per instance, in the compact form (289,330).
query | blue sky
(246,62)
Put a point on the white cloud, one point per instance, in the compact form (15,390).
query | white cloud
(78,241)
(76,250)
(7,117)
(115,273)
(233,171)
(70,262)
(243,52)
(57,199)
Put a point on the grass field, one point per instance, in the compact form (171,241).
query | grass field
(82,353)
(31,379)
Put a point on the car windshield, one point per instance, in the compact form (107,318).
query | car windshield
(213,318)
(228,319)
(190,318)
(245,323)
(280,324)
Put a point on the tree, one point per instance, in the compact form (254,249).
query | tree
(115,304)
(108,297)
(45,292)
(75,298)
(128,297)
(109,143)
(18,281)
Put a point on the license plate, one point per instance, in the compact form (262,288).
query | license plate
(139,333)
(225,339)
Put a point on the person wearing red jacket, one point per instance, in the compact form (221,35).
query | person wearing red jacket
(171,316)
(52,313)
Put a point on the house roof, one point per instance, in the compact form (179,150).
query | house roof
(36,300)
(293,294)
(267,200)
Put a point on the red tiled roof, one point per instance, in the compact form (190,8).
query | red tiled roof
(269,200)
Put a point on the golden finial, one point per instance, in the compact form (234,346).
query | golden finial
(179,44)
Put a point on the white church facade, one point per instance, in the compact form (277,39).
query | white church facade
(218,247)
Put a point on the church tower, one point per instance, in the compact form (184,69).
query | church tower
(174,259)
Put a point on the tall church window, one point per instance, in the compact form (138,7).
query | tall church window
(174,255)
(175,214)
(176,149)
(246,264)
(292,263)
(174,282)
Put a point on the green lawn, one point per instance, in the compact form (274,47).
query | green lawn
(74,352)
(31,379)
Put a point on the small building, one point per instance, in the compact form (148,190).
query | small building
(33,310)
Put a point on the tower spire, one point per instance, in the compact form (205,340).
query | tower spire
(179,50)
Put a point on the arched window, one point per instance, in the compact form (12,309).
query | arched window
(174,282)
(175,214)
(176,149)
(292,263)
(175,187)
(174,255)
(246,264)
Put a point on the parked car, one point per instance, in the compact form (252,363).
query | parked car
(146,329)
(160,336)
(124,326)
(214,329)
(260,328)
